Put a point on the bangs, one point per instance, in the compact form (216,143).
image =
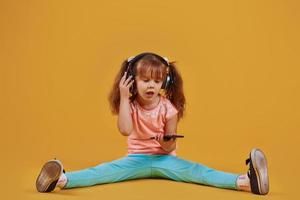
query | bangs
(155,70)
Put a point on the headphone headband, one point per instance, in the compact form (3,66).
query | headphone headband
(133,59)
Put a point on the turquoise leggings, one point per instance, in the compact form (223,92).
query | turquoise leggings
(138,166)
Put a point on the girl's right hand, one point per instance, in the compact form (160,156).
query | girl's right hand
(125,85)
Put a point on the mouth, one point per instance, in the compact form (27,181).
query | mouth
(149,93)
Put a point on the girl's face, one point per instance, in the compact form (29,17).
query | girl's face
(147,87)
(149,82)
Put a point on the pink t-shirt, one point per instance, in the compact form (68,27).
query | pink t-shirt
(149,123)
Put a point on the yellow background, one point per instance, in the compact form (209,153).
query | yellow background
(240,65)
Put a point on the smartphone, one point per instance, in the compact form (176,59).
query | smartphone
(169,137)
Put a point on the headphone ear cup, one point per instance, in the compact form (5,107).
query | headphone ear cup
(166,83)
(129,72)
(133,88)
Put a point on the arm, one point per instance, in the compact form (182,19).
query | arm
(171,128)
(124,118)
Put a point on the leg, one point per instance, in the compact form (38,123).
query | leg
(177,169)
(130,167)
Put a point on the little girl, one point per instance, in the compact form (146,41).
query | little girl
(148,97)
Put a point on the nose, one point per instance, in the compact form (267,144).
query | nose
(151,84)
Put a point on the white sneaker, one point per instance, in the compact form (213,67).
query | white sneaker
(258,172)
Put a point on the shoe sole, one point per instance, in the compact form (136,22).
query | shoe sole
(50,172)
(259,163)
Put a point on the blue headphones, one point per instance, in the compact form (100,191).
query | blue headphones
(131,71)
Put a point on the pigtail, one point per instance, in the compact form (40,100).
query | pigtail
(175,91)
(114,96)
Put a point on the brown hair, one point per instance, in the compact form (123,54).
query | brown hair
(158,71)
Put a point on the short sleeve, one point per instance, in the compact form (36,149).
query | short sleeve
(171,110)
